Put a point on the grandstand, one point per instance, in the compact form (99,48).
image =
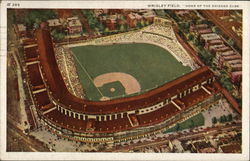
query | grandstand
(113,120)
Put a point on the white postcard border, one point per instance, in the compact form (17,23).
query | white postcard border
(245,5)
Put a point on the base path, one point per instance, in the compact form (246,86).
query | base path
(130,84)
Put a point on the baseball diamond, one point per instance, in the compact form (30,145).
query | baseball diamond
(140,62)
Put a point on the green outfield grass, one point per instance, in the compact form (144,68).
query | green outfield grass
(151,65)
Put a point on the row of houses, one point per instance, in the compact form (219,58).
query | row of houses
(210,144)
(134,17)
(204,146)
(113,18)
(217,143)
(72,24)
(225,56)
(186,15)
(110,18)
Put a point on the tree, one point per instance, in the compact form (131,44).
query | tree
(126,27)
(214,120)
(216,29)
(177,127)
(101,27)
(203,21)
(196,41)
(206,57)
(35,17)
(58,35)
(92,22)
(96,29)
(122,28)
(138,25)
(190,37)
(184,26)
(225,81)
(83,31)
(229,117)
(213,66)
(231,42)
(222,119)
(122,17)
(239,101)
(106,31)
(228,85)
(142,23)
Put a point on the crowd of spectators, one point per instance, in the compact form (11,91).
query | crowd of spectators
(67,67)
(162,36)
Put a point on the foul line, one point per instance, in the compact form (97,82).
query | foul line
(87,74)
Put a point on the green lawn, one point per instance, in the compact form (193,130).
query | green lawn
(151,65)
(195,121)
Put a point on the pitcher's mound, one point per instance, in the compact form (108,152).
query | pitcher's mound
(112,89)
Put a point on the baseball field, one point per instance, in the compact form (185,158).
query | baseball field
(122,70)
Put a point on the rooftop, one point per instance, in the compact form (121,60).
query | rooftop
(210,36)
(231,148)
(74,21)
(237,73)
(235,61)
(236,65)
(21,27)
(54,22)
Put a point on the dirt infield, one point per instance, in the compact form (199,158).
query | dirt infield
(130,84)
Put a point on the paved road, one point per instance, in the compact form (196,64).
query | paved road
(32,143)
(189,136)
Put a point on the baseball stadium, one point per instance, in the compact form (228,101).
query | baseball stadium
(111,89)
